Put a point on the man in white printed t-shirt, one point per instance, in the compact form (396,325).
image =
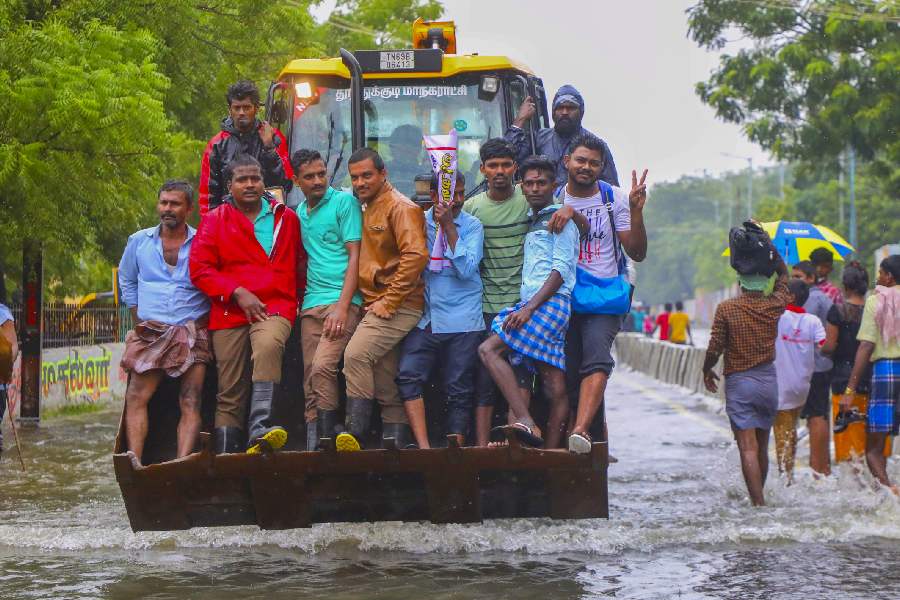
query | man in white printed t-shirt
(800,335)
(589,361)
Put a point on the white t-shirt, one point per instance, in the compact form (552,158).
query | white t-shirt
(799,336)
(596,254)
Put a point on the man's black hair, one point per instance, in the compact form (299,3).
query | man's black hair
(892,265)
(668,307)
(679,306)
(367,154)
(855,278)
(497,148)
(821,256)
(806,267)
(178,185)
(304,156)
(242,89)
(460,182)
(799,290)
(241,160)
(538,163)
(586,140)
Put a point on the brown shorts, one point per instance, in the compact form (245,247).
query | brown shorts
(172,348)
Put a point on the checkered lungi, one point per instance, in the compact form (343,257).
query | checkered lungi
(543,337)
(884,398)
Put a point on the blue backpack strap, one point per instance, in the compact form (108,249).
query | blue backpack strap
(607,193)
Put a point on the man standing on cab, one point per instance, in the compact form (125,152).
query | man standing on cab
(553,142)
(392,257)
(242,133)
(331,222)
(249,260)
(170,318)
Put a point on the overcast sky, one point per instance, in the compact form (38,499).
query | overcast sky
(635,66)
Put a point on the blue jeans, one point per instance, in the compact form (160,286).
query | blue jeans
(458,356)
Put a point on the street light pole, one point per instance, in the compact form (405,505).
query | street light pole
(851,156)
(749,160)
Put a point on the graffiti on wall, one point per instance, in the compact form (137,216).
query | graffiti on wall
(78,375)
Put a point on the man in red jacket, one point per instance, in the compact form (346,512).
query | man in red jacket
(242,133)
(248,259)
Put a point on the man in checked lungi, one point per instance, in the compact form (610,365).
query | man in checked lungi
(170,336)
(533,331)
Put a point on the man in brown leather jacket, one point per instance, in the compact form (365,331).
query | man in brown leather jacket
(392,257)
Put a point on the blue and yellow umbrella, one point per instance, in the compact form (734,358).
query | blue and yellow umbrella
(794,240)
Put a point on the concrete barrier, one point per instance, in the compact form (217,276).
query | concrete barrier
(76,375)
(670,363)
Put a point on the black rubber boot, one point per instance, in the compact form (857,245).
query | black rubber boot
(400,432)
(229,440)
(312,436)
(359,414)
(262,434)
(327,421)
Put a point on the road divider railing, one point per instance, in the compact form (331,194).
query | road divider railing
(677,364)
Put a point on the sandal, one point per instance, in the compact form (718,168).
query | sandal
(523,433)
(580,442)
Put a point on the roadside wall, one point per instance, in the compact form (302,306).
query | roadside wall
(76,375)
(670,363)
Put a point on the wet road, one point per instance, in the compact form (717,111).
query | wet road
(680,526)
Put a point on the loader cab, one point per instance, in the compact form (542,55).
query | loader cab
(404,94)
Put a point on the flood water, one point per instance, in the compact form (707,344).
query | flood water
(680,526)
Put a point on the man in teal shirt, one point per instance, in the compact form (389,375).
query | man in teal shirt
(331,222)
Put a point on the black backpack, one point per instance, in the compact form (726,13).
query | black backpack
(751,251)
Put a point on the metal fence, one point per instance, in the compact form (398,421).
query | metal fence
(73,325)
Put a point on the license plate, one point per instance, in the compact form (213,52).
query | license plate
(396,60)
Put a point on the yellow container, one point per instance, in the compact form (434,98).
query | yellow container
(851,442)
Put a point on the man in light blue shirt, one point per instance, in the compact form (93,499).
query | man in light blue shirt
(170,336)
(452,324)
(534,330)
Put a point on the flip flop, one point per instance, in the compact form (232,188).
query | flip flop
(523,433)
(580,443)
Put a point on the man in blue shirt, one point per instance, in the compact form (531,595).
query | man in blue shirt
(534,330)
(331,222)
(170,336)
(452,324)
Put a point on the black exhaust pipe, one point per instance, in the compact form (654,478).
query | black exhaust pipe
(357,117)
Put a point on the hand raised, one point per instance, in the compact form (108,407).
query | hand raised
(637,197)
(267,134)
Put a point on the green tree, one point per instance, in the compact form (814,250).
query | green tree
(363,25)
(821,75)
(84,137)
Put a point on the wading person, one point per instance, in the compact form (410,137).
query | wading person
(533,331)
(662,322)
(680,326)
(9,350)
(452,325)
(817,409)
(841,344)
(568,112)
(170,336)
(744,330)
(242,133)
(503,211)
(879,344)
(602,294)
(392,257)
(822,260)
(331,222)
(799,337)
(249,260)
